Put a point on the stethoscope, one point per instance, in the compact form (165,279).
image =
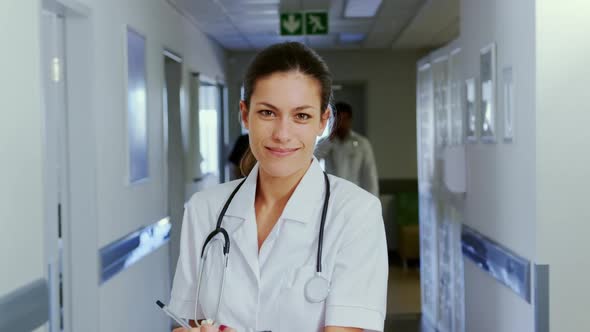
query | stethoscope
(316,288)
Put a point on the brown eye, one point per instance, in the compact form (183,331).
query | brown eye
(266,113)
(303,116)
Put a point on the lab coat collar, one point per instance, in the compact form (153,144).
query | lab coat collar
(242,205)
(309,191)
(299,208)
(307,195)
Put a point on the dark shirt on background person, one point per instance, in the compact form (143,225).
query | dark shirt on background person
(235,157)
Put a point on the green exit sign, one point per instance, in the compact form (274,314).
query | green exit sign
(316,23)
(307,23)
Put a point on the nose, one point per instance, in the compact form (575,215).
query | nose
(281,130)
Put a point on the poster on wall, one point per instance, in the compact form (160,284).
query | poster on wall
(471,110)
(137,139)
(440,72)
(456,100)
(487,62)
(508,104)
(425,128)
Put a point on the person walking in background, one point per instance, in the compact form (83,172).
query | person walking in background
(348,154)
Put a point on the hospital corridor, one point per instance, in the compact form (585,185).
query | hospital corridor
(294,165)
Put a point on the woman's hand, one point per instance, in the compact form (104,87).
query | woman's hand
(206,328)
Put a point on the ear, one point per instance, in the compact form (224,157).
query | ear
(325,118)
(244,114)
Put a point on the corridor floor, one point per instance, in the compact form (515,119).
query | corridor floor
(403,299)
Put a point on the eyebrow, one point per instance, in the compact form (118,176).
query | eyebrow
(271,106)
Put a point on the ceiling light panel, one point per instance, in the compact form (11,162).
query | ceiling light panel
(361,8)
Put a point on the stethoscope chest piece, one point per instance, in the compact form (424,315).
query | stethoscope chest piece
(317,289)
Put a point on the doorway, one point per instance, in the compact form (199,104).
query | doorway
(355,94)
(69,159)
(213,135)
(174,167)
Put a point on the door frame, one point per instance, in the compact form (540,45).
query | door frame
(79,259)
(175,57)
(55,150)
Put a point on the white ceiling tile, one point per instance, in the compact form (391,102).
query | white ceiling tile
(233,42)
(202,11)
(257,10)
(219,28)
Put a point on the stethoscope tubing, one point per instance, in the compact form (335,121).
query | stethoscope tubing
(322,222)
(203,259)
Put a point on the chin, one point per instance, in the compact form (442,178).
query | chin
(283,167)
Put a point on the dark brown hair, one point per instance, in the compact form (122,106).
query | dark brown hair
(281,58)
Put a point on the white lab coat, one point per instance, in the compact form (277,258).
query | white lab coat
(351,159)
(265,290)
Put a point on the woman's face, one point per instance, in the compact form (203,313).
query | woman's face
(284,119)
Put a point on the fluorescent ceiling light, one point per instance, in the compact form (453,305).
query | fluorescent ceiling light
(361,8)
(350,38)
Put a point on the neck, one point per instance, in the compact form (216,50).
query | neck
(277,190)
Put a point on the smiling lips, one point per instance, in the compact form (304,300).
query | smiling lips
(281,152)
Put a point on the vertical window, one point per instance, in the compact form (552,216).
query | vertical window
(209,126)
(136,107)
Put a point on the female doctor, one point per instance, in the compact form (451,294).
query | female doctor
(305,251)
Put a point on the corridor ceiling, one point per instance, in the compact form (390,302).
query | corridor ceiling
(397,24)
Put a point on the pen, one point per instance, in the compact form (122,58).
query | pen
(180,321)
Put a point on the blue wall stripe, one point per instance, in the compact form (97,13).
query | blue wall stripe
(124,252)
(506,267)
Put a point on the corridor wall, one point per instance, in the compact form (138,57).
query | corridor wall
(21,142)
(500,200)
(500,180)
(125,302)
(562,141)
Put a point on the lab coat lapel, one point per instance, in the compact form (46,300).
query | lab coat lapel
(300,222)
(246,243)
(310,190)
(240,222)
